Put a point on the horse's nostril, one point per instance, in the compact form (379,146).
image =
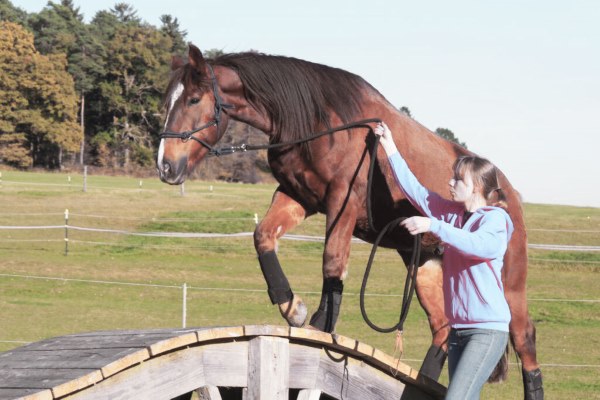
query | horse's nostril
(166,167)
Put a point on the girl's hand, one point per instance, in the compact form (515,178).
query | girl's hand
(416,225)
(387,140)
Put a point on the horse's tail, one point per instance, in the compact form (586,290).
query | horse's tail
(500,373)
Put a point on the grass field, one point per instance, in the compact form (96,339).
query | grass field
(226,286)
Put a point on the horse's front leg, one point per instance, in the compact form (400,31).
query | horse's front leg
(341,219)
(284,214)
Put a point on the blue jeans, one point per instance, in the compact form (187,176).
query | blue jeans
(472,356)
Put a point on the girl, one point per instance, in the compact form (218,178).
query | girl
(475,229)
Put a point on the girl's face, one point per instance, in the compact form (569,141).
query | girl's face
(462,188)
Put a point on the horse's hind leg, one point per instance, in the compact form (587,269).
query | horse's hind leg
(431,296)
(284,214)
(522,330)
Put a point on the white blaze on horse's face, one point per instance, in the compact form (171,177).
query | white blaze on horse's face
(175,95)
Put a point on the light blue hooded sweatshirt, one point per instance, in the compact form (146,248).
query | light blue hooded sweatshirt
(473,253)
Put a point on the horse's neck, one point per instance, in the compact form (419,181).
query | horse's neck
(232,91)
(429,156)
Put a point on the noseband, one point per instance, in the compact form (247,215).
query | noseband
(219,107)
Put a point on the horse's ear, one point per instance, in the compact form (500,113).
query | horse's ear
(177,62)
(196,59)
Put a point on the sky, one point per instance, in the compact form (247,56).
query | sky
(517,80)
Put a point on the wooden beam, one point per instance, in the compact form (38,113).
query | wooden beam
(209,393)
(164,377)
(268,368)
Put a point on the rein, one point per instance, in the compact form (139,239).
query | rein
(411,276)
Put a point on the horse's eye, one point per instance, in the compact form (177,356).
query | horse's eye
(195,100)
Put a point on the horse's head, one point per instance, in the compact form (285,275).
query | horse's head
(194,117)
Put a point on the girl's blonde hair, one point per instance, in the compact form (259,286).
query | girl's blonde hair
(485,176)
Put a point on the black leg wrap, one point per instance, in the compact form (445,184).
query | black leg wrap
(329,309)
(433,362)
(277,284)
(532,384)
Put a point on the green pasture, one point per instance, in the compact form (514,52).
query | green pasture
(105,281)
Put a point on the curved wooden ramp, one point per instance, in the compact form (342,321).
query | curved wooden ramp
(245,362)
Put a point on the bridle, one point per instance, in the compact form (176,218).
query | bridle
(219,108)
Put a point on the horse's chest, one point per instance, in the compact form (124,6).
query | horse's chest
(300,181)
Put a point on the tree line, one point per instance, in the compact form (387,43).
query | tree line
(74,93)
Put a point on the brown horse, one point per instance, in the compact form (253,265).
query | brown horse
(290,99)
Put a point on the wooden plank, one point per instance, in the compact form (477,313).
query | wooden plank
(304,365)
(311,335)
(125,362)
(164,377)
(398,369)
(209,334)
(395,366)
(268,368)
(86,359)
(147,332)
(73,385)
(99,342)
(63,379)
(353,379)
(309,394)
(26,394)
(173,343)
(209,393)
(226,364)
(266,330)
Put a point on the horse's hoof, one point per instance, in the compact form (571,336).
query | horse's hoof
(294,312)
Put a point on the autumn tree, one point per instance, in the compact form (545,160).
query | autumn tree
(38,104)
(59,28)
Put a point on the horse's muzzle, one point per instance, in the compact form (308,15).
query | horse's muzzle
(173,172)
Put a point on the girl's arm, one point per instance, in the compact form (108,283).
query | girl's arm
(428,202)
(489,241)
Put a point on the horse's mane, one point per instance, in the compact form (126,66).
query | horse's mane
(299,96)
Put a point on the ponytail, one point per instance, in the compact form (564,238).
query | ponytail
(497,198)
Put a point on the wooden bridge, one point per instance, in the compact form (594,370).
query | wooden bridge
(252,362)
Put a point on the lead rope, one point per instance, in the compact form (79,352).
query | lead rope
(411,274)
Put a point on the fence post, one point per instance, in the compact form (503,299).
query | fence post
(85,178)
(66,231)
(184,316)
(182,189)
(256,218)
